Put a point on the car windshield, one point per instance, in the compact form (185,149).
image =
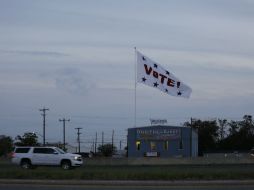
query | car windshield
(60,151)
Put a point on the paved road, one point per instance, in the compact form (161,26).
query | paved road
(94,187)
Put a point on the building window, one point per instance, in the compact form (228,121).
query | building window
(138,143)
(153,145)
(165,145)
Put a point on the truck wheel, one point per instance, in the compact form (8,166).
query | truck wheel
(26,164)
(66,165)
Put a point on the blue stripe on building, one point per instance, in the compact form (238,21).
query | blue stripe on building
(162,141)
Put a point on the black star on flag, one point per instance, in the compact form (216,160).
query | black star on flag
(155,84)
(143,79)
(179,93)
(155,65)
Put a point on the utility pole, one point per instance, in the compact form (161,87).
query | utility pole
(95,149)
(102,138)
(64,120)
(44,122)
(78,133)
(113,132)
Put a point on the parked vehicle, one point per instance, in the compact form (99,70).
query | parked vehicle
(27,157)
(252,152)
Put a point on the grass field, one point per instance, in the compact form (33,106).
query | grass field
(166,172)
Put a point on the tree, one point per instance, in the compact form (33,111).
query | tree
(207,134)
(241,135)
(6,145)
(107,149)
(28,139)
(247,125)
(233,127)
(245,135)
(222,128)
(212,135)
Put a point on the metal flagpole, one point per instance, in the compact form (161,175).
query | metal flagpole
(135,99)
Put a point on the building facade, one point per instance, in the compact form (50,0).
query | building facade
(162,141)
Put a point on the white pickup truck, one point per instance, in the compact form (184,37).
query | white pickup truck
(27,157)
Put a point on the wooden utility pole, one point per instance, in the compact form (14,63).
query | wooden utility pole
(95,148)
(64,120)
(78,139)
(44,122)
(102,138)
(113,132)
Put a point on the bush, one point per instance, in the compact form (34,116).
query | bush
(6,145)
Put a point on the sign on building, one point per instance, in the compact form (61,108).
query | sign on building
(158,134)
(158,121)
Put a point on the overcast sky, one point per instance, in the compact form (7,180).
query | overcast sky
(77,59)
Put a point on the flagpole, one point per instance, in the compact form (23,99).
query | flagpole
(135,95)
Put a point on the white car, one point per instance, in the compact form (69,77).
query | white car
(27,157)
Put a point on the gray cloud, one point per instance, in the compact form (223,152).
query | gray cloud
(35,53)
(208,44)
(73,81)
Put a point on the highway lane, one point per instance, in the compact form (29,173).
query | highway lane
(94,187)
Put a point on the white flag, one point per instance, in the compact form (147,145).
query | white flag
(154,75)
